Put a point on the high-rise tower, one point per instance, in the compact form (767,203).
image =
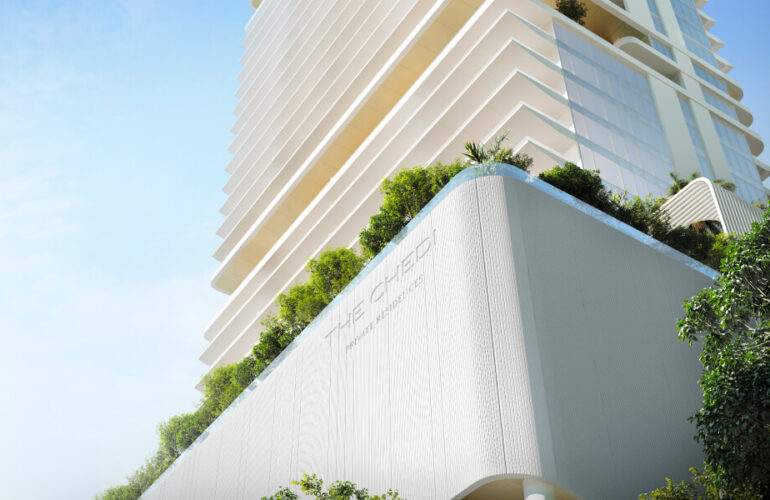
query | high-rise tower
(337,95)
(512,341)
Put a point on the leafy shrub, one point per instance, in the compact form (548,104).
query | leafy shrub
(574,9)
(585,185)
(412,188)
(404,196)
(478,153)
(718,251)
(179,432)
(702,486)
(642,214)
(312,486)
(140,480)
(122,492)
(298,306)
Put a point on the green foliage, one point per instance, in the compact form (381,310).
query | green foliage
(333,271)
(679,183)
(682,490)
(718,251)
(732,318)
(585,185)
(478,153)
(312,486)
(412,188)
(139,481)
(702,486)
(220,388)
(298,306)
(725,184)
(404,196)
(244,372)
(574,9)
(642,214)
(123,492)
(179,432)
(699,246)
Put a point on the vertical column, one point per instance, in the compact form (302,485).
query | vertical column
(711,141)
(535,489)
(683,156)
(640,12)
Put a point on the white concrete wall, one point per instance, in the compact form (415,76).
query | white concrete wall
(512,331)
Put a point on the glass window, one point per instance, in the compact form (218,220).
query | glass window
(616,123)
(656,19)
(740,161)
(719,103)
(713,80)
(663,49)
(692,29)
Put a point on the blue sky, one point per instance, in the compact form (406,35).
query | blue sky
(114,125)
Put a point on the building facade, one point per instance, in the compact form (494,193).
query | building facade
(514,343)
(337,95)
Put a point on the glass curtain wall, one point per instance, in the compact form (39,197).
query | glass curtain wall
(719,103)
(692,29)
(656,19)
(741,162)
(617,126)
(713,80)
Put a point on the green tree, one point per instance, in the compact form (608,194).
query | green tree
(404,196)
(245,371)
(219,390)
(298,306)
(312,486)
(329,274)
(732,319)
(574,9)
(274,337)
(333,270)
(179,432)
